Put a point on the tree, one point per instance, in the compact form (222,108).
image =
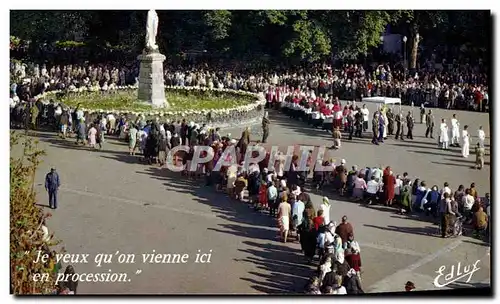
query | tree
(219,23)
(354,32)
(26,220)
(419,21)
(49,26)
(283,35)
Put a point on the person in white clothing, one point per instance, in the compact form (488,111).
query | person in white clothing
(386,124)
(465,142)
(112,123)
(398,187)
(372,188)
(443,136)
(446,189)
(481,136)
(366,116)
(325,206)
(467,202)
(455,131)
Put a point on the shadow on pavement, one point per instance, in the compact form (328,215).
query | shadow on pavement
(466,161)
(457,285)
(297,126)
(458,164)
(282,272)
(283,268)
(418,217)
(280,264)
(427,231)
(478,242)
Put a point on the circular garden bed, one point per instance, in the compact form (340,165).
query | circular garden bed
(201,105)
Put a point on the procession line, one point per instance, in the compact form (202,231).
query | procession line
(395,278)
(138,203)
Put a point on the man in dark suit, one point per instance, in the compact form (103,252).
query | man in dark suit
(409,125)
(52,184)
(429,122)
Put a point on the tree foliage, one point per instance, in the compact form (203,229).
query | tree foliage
(26,219)
(305,35)
(49,26)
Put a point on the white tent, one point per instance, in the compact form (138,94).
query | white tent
(384,100)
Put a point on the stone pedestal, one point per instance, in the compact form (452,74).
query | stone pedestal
(151,81)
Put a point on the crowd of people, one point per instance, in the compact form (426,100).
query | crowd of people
(329,114)
(452,86)
(281,193)
(276,190)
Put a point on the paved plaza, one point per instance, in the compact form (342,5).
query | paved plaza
(110,202)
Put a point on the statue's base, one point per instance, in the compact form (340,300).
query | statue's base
(151,81)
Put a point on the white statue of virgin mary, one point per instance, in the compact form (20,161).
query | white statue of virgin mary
(151,30)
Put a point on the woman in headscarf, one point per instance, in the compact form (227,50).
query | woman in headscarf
(244,141)
(308,239)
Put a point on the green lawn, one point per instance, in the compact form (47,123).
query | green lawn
(179,100)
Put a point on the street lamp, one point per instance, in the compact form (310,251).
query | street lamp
(404,55)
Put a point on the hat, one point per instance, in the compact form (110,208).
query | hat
(326,200)
(342,161)
(233,141)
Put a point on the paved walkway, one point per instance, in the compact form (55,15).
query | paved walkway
(109,202)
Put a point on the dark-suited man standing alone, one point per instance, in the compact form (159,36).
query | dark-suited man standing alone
(409,125)
(52,185)
(429,122)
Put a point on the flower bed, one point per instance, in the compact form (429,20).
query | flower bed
(201,105)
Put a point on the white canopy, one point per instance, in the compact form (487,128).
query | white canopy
(384,100)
